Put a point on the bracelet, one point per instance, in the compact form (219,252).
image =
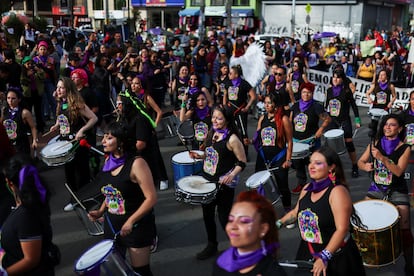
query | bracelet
(183,105)
(357,120)
(279,224)
(326,256)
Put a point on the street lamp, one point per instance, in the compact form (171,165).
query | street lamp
(292,20)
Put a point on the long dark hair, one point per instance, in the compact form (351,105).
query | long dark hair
(400,122)
(333,158)
(229,117)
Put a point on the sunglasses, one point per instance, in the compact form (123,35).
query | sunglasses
(278,74)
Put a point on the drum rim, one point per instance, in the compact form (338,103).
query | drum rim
(381,112)
(378,229)
(100,259)
(180,190)
(196,177)
(266,172)
(341,131)
(59,154)
(191,161)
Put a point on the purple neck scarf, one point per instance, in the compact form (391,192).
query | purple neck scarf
(30,170)
(383,85)
(231,260)
(183,80)
(337,90)
(112,163)
(13,111)
(410,111)
(296,75)
(225,132)
(193,90)
(202,113)
(279,84)
(317,186)
(303,106)
(389,145)
(236,82)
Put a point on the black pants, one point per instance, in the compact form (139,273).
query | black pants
(224,202)
(77,171)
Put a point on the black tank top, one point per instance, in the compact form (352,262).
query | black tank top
(316,221)
(382,97)
(219,160)
(268,136)
(16,129)
(305,124)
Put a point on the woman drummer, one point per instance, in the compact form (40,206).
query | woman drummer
(75,120)
(305,117)
(382,95)
(408,118)
(200,115)
(130,196)
(274,144)
(339,99)
(387,158)
(17,121)
(224,159)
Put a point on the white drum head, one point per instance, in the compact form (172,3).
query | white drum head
(376,214)
(53,140)
(378,112)
(196,185)
(57,148)
(94,255)
(184,157)
(258,178)
(333,133)
(300,147)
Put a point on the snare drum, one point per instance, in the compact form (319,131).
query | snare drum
(377,113)
(263,182)
(59,152)
(183,165)
(334,138)
(195,190)
(300,150)
(186,132)
(102,257)
(379,244)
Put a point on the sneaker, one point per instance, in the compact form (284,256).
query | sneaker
(355,172)
(297,190)
(163,185)
(69,207)
(154,245)
(209,251)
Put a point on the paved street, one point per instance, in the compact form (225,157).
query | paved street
(180,226)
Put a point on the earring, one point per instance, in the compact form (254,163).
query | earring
(332,177)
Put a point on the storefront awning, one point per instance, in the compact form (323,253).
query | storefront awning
(189,12)
(242,12)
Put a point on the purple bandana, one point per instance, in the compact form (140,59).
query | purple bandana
(317,186)
(383,85)
(411,112)
(231,260)
(184,80)
(337,90)
(303,106)
(13,111)
(236,82)
(193,90)
(225,132)
(202,113)
(389,145)
(30,170)
(296,75)
(279,85)
(112,163)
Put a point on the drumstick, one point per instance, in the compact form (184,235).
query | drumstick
(47,133)
(303,140)
(65,144)
(76,198)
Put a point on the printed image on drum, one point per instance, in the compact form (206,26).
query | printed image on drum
(58,153)
(380,243)
(102,259)
(183,165)
(195,190)
(262,181)
(334,138)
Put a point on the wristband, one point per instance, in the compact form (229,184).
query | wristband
(357,120)
(279,224)
(183,105)
(326,256)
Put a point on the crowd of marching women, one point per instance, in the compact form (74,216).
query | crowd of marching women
(119,90)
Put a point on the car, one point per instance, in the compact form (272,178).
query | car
(264,37)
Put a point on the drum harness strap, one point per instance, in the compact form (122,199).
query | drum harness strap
(268,164)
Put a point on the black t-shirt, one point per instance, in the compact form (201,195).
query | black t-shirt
(267,266)
(338,106)
(305,124)
(238,95)
(382,96)
(23,224)
(409,126)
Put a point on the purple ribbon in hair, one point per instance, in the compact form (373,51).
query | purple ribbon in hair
(30,170)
